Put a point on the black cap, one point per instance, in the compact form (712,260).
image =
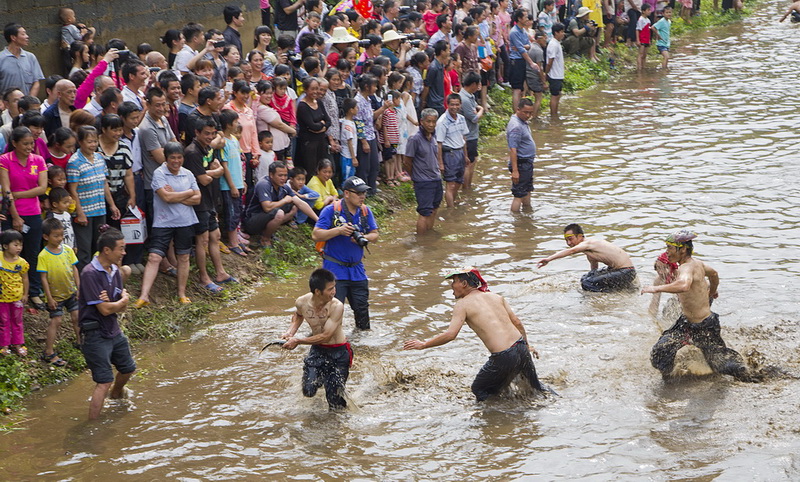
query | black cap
(354,183)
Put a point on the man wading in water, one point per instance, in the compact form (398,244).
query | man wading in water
(329,359)
(490,316)
(697,325)
(617,276)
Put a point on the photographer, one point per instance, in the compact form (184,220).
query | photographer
(345,228)
(215,43)
(396,47)
(582,35)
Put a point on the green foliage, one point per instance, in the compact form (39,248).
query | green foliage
(14,382)
(293,248)
(580,74)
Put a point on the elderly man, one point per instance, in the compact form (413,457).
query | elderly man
(697,325)
(521,152)
(503,334)
(101,84)
(19,68)
(422,161)
(57,115)
(619,273)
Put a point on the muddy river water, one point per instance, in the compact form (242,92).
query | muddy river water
(712,144)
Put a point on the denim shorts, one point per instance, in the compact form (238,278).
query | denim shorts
(429,196)
(662,48)
(69,305)
(100,353)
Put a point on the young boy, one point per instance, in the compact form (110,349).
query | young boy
(60,202)
(60,280)
(643,36)
(297,181)
(662,29)
(232,183)
(347,139)
(267,155)
(450,131)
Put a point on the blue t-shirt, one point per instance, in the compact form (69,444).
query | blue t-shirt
(342,247)
(232,154)
(663,29)
(518,39)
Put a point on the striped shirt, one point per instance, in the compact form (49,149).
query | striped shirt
(91,179)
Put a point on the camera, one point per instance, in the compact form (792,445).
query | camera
(219,45)
(295,59)
(415,43)
(357,236)
(124,56)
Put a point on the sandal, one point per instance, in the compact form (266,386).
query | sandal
(238,250)
(53,359)
(5,351)
(223,248)
(184,300)
(244,248)
(140,303)
(213,287)
(229,279)
(37,303)
(20,350)
(171,271)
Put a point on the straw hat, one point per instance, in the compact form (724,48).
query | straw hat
(340,36)
(392,35)
(583,11)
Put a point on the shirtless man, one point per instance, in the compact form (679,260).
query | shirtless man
(697,325)
(329,359)
(490,316)
(794,11)
(619,273)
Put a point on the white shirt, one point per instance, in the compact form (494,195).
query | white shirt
(93,107)
(182,59)
(129,95)
(555,52)
(451,132)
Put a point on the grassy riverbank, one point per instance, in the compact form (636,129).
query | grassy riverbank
(580,73)
(166,319)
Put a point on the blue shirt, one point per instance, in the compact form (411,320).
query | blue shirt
(172,215)
(94,280)
(20,72)
(519,42)
(663,28)
(342,247)
(519,137)
(313,195)
(232,154)
(265,191)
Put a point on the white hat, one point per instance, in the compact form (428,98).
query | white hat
(583,11)
(340,36)
(390,35)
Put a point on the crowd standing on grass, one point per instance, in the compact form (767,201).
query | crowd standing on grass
(212,148)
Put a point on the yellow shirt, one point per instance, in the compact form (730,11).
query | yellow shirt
(11,273)
(58,267)
(328,189)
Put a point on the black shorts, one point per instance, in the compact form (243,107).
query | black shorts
(517,74)
(256,223)
(607,280)
(69,305)
(206,222)
(484,78)
(100,353)
(525,184)
(607,19)
(501,369)
(454,166)
(555,86)
(182,238)
(472,150)
(429,196)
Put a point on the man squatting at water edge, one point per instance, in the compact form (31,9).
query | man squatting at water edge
(503,334)
(619,273)
(697,325)
(330,357)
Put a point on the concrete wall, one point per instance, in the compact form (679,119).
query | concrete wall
(134,21)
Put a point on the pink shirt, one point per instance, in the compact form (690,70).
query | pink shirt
(249,138)
(24,178)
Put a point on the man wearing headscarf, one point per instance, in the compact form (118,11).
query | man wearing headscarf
(696,286)
(490,316)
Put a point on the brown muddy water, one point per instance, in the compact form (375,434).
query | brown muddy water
(711,145)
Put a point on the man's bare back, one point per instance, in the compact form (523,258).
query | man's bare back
(601,251)
(489,316)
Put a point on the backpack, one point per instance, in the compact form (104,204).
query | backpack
(337,211)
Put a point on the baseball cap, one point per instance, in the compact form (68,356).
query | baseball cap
(356,184)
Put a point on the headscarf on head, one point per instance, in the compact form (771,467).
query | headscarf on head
(473,272)
(680,238)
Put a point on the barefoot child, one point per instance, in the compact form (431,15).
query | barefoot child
(14,280)
(662,30)
(60,280)
(643,36)
(232,183)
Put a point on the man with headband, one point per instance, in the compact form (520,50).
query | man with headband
(490,316)
(697,325)
(619,273)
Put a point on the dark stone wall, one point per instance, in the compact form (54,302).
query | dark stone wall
(134,21)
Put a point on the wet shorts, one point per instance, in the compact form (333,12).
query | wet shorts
(502,367)
(607,280)
(555,86)
(662,49)
(161,237)
(453,166)
(517,75)
(206,222)
(472,150)
(328,366)
(100,353)
(525,184)
(429,196)
(69,305)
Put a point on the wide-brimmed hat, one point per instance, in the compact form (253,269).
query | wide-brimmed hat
(584,11)
(390,35)
(340,36)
